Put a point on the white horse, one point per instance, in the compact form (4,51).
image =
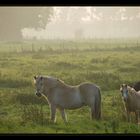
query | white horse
(63,96)
(132,100)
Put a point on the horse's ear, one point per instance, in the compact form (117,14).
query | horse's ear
(125,85)
(121,87)
(35,77)
(41,77)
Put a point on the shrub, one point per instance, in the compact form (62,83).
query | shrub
(33,113)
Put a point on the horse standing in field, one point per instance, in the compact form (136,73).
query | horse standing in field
(131,98)
(63,96)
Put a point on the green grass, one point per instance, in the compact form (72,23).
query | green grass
(107,63)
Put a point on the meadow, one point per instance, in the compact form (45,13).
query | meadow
(105,62)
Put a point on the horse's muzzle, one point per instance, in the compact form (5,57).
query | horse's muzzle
(38,94)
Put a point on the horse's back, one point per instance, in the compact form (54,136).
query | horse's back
(89,91)
(88,88)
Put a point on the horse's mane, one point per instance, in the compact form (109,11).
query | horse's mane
(63,84)
(132,91)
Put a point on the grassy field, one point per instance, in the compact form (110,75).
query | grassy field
(107,63)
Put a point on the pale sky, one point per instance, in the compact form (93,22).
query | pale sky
(98,22)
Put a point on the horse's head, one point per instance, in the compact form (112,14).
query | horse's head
(38,81)
(44,84)
(124,91)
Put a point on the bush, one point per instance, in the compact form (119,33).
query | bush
(34,113)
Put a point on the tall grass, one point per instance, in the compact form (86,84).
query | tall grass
(34,113)
(107,63)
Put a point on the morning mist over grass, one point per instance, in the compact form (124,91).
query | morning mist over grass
(100,45)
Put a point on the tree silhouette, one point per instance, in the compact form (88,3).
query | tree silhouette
(13,19)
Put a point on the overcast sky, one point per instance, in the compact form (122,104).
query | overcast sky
(92,22)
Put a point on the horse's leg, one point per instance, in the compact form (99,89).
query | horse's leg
(93,112)
(53,112)
(63,114)
(137,115)
(128,116)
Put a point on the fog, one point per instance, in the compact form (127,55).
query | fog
(87,22)
(90,22)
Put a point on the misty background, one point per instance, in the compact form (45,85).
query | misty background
(36,23)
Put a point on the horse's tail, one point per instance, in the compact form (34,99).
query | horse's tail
(98,106)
